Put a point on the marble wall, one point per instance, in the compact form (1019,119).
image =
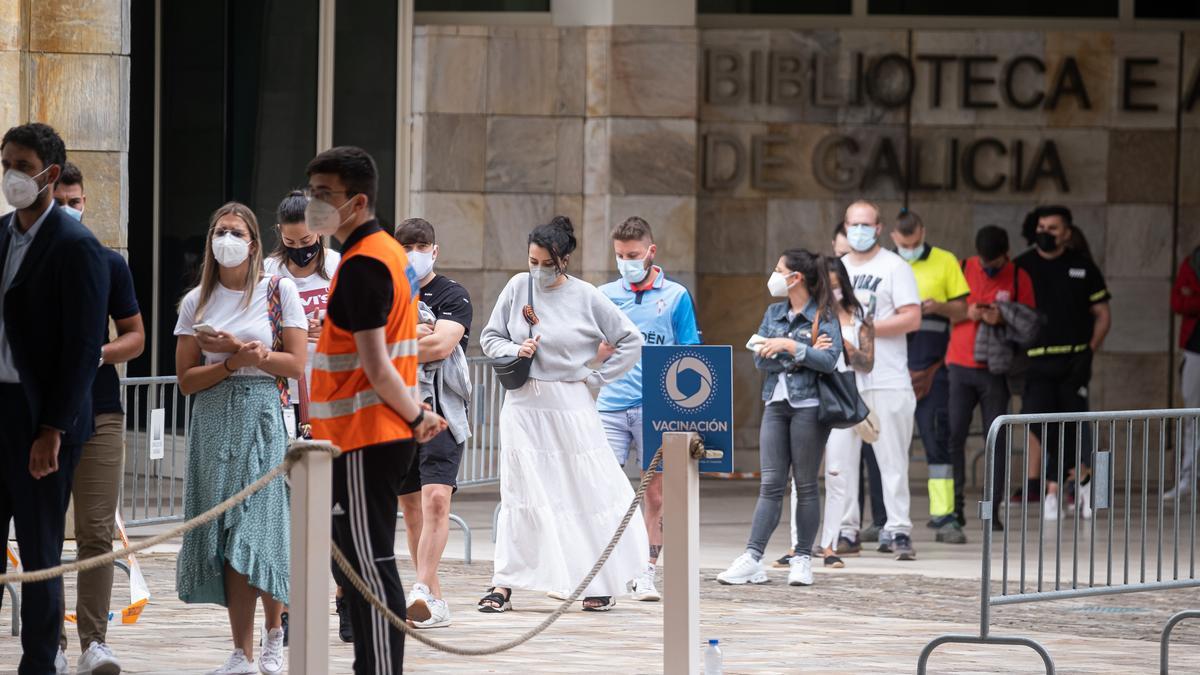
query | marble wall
(67,64)
(736,144)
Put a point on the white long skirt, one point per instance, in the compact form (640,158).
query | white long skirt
(562,495)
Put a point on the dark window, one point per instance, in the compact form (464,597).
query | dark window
(1038,8)
(773,7)
(482,6)
(1166,9)
(364,89)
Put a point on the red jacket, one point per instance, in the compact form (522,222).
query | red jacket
(1187,305)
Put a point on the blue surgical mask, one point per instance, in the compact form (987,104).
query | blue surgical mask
(633,271)
(73,212)
(911,254)
(861,237)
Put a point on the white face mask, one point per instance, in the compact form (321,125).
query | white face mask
(20,189)
(322,217)
(543,276)
(634,271)
(230,251)
(422,262)
(778,284)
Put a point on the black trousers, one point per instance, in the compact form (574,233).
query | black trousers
(933,420)
(871,481)
(1059,384)
(39,509)
(365,486)
(969,388)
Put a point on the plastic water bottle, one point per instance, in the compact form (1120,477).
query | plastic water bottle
(712,658)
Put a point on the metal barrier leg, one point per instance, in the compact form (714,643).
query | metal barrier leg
(923,661)
(16,609)
(1163,668)
(466,530)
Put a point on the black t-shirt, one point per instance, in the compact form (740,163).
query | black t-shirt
(449,301)
(364,292)
(1065,289)
(122,304)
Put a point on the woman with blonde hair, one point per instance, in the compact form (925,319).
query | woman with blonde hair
(241,334)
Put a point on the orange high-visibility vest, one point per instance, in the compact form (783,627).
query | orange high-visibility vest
(344,408)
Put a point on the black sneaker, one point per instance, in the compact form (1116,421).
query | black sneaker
(285,629)
(345,630)
(940,521)
(951,533)
(848,547)
(784,562)
(902,547)
(834,562)
(997,526)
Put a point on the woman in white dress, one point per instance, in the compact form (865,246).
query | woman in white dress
(562,492)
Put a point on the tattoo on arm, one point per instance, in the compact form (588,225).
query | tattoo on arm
(655,549)
(863,358)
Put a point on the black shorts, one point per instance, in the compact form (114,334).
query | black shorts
(436,463)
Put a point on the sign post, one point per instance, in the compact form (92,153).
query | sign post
(687,407)
(312,497)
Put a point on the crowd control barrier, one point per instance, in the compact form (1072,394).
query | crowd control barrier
(158,423)
(1135,538)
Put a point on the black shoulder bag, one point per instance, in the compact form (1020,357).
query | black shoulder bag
(840,405)
(513,371)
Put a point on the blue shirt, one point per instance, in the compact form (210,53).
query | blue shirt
(18,246)
(665,315)
(122,304)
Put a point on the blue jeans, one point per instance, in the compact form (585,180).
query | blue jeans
(790,439)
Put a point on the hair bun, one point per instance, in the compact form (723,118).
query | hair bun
(563,223)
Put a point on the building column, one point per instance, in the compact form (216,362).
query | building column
(66,64)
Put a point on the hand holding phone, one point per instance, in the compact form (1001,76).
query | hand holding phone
(204,328)
(755,343)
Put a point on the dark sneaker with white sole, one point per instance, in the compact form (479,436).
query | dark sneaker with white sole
(951,533)
(848,547)
(902,547)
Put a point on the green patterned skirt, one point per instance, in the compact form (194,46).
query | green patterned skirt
(237,435)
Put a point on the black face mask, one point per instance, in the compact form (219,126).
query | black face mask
(1046,241)
(303,256)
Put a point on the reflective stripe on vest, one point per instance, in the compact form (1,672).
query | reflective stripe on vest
(350,404)
(1057,350)
(342,363)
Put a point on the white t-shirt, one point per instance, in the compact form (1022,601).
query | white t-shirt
(226,312)
(889,280)
(314,296)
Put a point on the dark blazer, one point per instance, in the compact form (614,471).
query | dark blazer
(56,318)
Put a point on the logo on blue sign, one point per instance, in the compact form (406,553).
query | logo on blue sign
(689,388)
(688,382)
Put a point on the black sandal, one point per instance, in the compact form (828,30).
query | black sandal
(500,602)
(604,603)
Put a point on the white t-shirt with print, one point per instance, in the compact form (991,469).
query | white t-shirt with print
(225,311)
(889,280)
(314,295)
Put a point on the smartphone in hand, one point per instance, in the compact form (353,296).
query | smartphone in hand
(204,328)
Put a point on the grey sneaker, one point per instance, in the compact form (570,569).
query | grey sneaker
(951,533)
(871,533)
(903,548)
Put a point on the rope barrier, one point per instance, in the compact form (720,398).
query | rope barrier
(361,586)
(293,455)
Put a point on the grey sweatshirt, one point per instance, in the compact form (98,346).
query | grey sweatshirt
(574,319)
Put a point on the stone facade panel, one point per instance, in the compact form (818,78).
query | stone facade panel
(730,235)
(1141,313)
(106,183)
(1135,165)
(98,27)
(450,69)
(1131,382)
(652,156)
(521,154)
(523,73)
(1138,241)
(456,160)
(459,221)
(673,220)
(85,97)
(652,72)
(510,218)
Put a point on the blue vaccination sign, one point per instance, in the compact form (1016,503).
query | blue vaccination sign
(689,388)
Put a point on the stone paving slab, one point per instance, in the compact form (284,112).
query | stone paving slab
(846,623)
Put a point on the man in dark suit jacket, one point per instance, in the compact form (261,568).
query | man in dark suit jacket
(53,297)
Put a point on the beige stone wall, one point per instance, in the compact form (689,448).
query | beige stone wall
(67,64)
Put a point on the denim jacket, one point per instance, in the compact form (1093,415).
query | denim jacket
(803,368)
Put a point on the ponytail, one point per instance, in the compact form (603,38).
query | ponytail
(815,269)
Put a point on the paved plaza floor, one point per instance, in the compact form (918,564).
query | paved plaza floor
(874,616)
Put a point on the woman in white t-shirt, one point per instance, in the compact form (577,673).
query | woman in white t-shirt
(224,360)
(303,257)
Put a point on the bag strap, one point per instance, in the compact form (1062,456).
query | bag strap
(530,280)
(275,314)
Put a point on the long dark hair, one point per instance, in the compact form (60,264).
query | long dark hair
(849,301)
(815,269)
(291,212)
(557,237)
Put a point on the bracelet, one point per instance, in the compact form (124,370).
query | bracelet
(416,421)
(225,365)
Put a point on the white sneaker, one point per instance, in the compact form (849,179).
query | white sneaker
(439,615)
(642,588)
(1181,491)
(744,570)
(1084,500)
(270,661)
(419,601)
(236,664)
(98,660)
(1050,507)
(61,667)
(800,573)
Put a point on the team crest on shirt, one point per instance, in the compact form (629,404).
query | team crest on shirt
(661,305)
(414,284)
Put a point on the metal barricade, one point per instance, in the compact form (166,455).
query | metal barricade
(152,485)
(1135,538)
